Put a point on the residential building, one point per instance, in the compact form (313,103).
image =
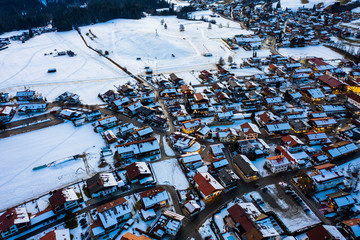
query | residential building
(7,113)
(208,187)
(168,223)
(245,168)
(13,220)
(277,163)
(63,200)
(147,148)
(154,198)
(113,213)
(101,184)
(352,227)
(139,172)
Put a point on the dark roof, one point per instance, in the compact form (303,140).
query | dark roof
(319,233)
(225,176)
(94,184)
(57,199)
(243,165)
(330,81)
(354,96)
(133,171)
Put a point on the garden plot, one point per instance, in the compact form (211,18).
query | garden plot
(289,212)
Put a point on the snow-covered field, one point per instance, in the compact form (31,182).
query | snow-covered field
(21,153)
(168,172)
(294,4)
(311,51)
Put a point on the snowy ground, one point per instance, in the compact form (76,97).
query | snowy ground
(42,147)
(294,4)
(311,51)
(87,74)
(169,172)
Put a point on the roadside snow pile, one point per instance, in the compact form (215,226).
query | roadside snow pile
(167,148)
(168,172)
(21,153)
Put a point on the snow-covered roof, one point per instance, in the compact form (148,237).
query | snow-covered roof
(221,163)
(273,127)
(155,198)
(217,149)
(110,212)
(316,93)
(192,157)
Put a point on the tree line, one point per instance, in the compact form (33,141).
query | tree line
(66,14)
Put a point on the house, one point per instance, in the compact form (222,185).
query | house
(217,150)
(294,162)
(119,103)
(352,227)
(146,113)
(322,124)
(208,187)
(313,94)
(125,129)
(7,113)
(223,116)
(93,115)
(109,96)
(4,97)
(147,97)
(314,138)
(244,216)
(218,164)
(127,90)
(13,220)
(187,90)
(201,98)
(292,143)
(249,131)
(58,234)
(168,223)
(154,198)
(192,207)
(70,114)
(27,95)
(203,132)
(226,135)
(159,121)
(109,136)
(147,148)
(191,126)
(175,79)
(354,99)
(113,213)
(101,184)
(142,133)
(180,141)
(131,109)
(340,201)
(326,176)
(227,178)
(32,108)
(254,147)
(245,168)
(299,125)
(340,149)
(324,232)
(206,76)
(105,123)
(191,159)
(139,172)
(277,128)
(277,163)
(63,200)
(68,97)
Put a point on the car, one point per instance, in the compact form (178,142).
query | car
(264,189)
(256,185)
(306,210)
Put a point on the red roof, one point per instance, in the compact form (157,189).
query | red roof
(204,185)
(57,199)
(354,96)
(239,216)
(319,233)
(7,219)
(325,166)
(286,153)
(265,117)
(110,205)
(152,192)
(330,81)
(318,61)
(290,140)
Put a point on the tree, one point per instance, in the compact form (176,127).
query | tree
(31,34)
(209,26)
(220,25)
(70,220)
(162,21)
(221,61)
(230,60)
(165,26)
(278,5)
(278,85)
